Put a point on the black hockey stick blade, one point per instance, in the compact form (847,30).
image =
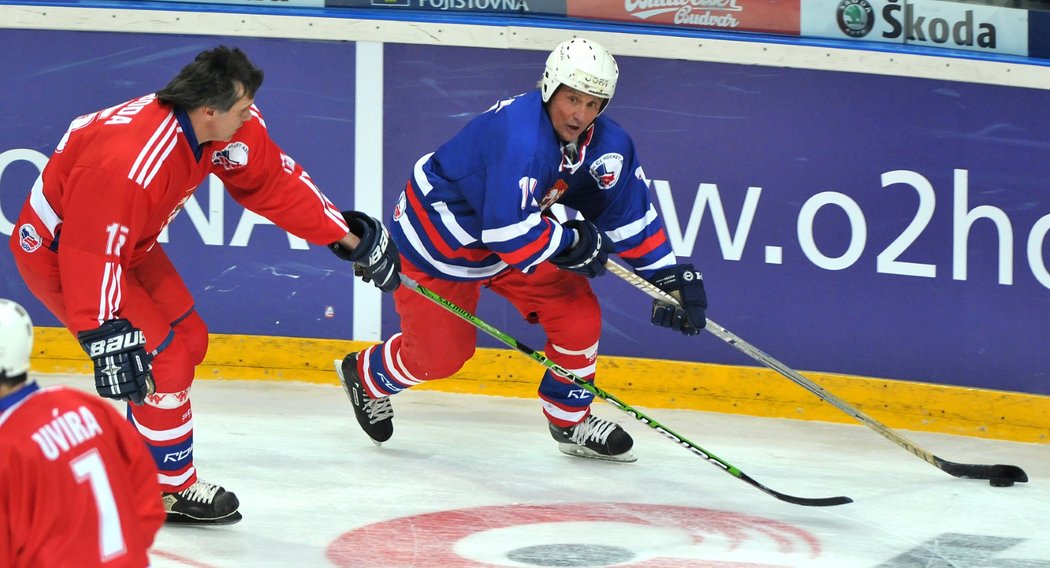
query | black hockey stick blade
(805,501)
(980,471)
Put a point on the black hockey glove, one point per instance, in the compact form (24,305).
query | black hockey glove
(687,286)
(122,366)
(589,251)
(375,258)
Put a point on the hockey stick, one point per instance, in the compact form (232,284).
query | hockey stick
(637,414)
(1004,475)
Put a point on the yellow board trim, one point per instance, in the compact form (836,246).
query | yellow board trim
(644,383)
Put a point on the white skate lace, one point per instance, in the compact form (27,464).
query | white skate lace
(378,409)
(593,428)
(201,492)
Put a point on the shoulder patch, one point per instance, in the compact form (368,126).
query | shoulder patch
(400,206)
(233,156)
(28,238)
(606,170)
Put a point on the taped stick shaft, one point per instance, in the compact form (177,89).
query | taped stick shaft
(973,471)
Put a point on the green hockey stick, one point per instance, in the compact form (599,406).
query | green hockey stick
(637,414)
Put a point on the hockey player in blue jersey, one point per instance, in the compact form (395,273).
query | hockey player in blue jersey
(475,214)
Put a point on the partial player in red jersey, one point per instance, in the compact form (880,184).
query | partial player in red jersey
(79,486)
(86,245)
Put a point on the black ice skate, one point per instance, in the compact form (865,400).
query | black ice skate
(375,415)
(202,504)
(595,438)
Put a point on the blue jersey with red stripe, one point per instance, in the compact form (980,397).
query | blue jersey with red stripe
(476,206)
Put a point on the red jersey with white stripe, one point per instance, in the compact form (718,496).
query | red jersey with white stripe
(120,175)
(79,486)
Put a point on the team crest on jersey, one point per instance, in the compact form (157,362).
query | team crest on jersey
(29,238)
(553,194)
(231,157)
(606,170)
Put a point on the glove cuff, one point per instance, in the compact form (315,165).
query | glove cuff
(676,277)
(113,336)
(363,227)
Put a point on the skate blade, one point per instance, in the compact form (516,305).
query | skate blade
(584,452)
(342,379)
(178,519)
(346,389)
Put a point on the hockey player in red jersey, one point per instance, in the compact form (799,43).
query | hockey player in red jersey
(80,488)
(86,245)
(475,214)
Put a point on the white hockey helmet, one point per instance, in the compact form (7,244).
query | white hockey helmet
(583,65)
(16,339)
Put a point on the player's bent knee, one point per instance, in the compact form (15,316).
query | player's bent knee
(583,324)
(174,366)
(447,365)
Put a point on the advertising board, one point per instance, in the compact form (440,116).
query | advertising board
(479,7)
(927,23)
(858,224)
(769,16)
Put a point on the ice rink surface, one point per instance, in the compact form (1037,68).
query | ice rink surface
(476,481)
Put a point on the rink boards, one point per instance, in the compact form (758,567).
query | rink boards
(856,213)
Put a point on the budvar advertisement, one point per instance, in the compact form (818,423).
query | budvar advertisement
(929,23)
(769,16)
(847,223)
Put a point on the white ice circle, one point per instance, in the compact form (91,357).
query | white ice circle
(628,543)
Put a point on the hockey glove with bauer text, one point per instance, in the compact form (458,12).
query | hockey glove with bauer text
(122,365)
(375,258)
(588,252)
(687,286)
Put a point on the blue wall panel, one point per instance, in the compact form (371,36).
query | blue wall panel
(817,144)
